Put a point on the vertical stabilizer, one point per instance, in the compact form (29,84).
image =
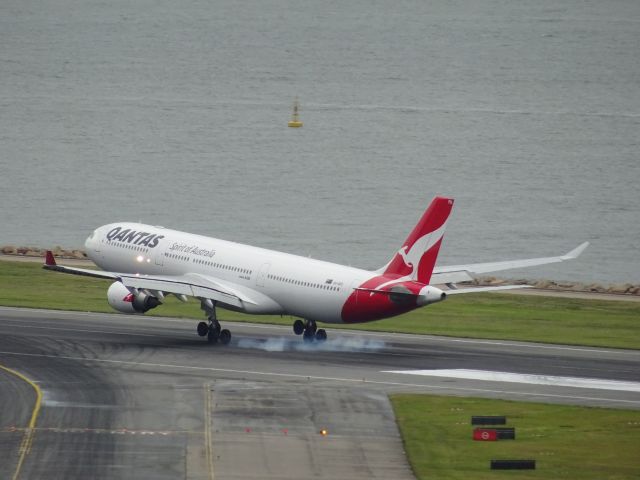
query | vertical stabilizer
(417,257)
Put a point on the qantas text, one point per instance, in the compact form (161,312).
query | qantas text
(127,235)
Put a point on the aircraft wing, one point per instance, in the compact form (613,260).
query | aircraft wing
(50,264)
(191,284)
(465,273)
(454,291)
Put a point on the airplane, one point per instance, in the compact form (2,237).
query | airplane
(147,263)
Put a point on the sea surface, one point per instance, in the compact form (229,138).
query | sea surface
(175,114)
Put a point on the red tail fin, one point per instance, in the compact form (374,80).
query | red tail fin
(418,254)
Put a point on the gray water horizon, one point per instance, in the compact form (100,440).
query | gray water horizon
(175,114)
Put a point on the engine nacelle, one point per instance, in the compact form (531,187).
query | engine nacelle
(430,295)
(120,298)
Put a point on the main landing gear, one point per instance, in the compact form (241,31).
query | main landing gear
(212,330)
(309,331)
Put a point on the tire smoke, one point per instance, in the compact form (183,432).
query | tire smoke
(338,344)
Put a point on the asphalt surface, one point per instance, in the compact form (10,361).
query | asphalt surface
(145,397)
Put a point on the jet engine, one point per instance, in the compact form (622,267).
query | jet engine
(124,301)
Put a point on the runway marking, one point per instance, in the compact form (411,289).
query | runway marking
(335,379)
(556,381)
(84,330)
(208,405)
(27,438)
(112,431)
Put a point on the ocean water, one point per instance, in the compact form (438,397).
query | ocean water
(175,113)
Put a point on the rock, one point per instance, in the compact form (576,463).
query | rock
(594,287)
(619,288)
(491,281)
(9,250)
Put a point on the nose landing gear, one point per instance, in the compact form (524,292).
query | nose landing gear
(309,331)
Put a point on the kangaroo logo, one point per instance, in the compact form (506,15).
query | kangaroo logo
(405,258)
(412,256)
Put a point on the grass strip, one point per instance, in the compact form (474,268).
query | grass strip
(567,442)
(484,315)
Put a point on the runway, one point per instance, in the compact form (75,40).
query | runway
(145,397)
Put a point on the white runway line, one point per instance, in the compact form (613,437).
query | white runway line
(596,383)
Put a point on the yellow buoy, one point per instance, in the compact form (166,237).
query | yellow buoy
(295,120)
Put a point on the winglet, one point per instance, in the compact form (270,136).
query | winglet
(575,253)
(49,260)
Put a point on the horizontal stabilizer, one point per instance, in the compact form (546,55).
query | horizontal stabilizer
(387,292)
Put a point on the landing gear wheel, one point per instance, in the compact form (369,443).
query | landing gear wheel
(203,329)
(213,335)
(321,335)
(225,337)
(308,329)
(298,327)
(214,330)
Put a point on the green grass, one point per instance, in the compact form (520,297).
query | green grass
(567,442)
(484,315)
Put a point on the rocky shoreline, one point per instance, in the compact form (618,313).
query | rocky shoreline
(616,288)
(58,252)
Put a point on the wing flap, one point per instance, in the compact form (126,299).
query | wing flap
(180,286)
(451,277)
(192,285)
(456,291)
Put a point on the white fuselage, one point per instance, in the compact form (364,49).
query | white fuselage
(280,283)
